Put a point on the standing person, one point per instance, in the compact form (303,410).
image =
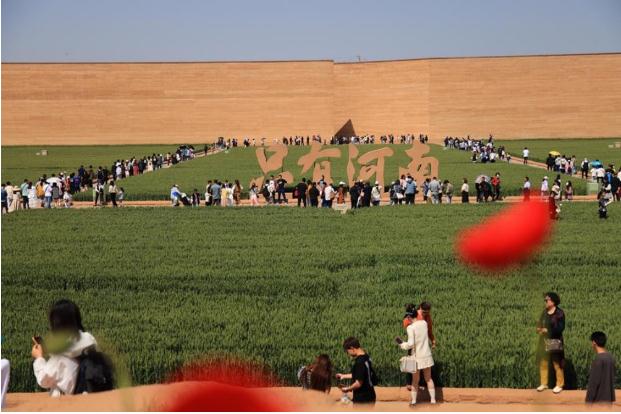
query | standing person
(281,189)
(5,200)
(328,196)
(318,375)
(496,187)
(362,373)
(208,197)
(551,348)
(376,194)
(569,191)
(237,189)
(302,188)
(601,386)
(216,190)
(56,195)
(196,198)
(544,187)
(229,195)
(47,194)
(121,196)
(354,193)
(410,191)
(526,189)
(584,169)
(59,373)
(112,190)
(447,189)
(254,195)
(24,193)
(418,341)
(434,189)
(313,195)
(525,154)
(465,192)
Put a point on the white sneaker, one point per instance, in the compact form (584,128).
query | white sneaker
(412,404)
(433,401)
(542,388)
(557,390)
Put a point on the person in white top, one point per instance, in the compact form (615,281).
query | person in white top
(544,187)
(525,153)
(59,373)
(328,194)
(418,343)
(376,194)
(526,189)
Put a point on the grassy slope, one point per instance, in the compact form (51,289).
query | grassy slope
(241,163)
(581,148)
(21,162)
(165,286)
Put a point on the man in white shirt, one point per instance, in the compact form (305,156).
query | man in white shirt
(525,153)
(526,189)
(328,194)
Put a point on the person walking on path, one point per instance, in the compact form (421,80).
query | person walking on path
(112,190)
(418,342)
(526,189)
(551,348)
(362,373)
(525,154)
(601,386)
(302,188)
(465,192)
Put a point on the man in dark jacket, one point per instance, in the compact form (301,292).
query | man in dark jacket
(354,192)
(302,187)
(601,387)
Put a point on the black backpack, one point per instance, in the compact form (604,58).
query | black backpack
(95,372)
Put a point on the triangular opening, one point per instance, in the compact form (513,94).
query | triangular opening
(346,131)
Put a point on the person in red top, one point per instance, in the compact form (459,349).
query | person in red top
(425,310)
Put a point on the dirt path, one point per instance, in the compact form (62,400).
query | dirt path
(389,399)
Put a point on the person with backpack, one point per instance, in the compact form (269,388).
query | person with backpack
(74,364)
(362,374)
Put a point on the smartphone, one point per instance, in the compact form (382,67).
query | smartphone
(38,339)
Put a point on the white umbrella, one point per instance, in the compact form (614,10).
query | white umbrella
(53,180)
(479,179)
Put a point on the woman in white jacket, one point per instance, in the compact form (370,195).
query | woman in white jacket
(418,343)
(59,373)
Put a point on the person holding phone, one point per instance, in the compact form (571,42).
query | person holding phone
(67,341)
(362,374)
(418,344)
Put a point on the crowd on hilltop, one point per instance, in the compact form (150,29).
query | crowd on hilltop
(334,140)
(57,191)
(68,359)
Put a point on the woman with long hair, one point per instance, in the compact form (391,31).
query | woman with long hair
(318,375)
(237,189)
(418,344)
(65,343)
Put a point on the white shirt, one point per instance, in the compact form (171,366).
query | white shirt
(525,153)
(327,192)
(544,185)
(527,185)
(418,342)
(465,188)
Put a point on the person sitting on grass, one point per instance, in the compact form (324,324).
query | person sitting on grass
(65,343)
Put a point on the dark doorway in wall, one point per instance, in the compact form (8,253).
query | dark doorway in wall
(346,130)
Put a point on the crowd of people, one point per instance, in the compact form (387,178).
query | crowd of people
(68,359)
(229,143)
(58,191)
(328,195)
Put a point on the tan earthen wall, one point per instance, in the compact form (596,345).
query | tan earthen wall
(511,97)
